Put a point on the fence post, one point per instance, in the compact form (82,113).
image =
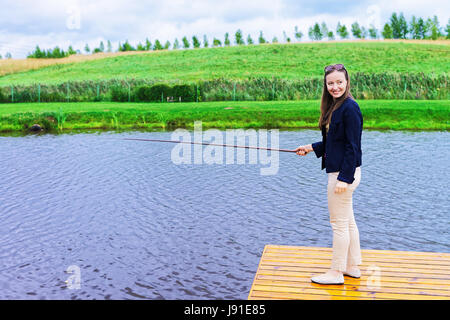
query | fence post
(196,92)
(404,92)
(129,93)
(234,92)
(39,92)
(98,92)
(12,94)
(273,90)
(68,92)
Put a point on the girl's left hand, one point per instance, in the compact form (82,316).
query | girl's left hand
(340,187)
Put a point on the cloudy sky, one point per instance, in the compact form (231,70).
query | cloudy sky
(49,23)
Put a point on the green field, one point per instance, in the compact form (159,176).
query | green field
(285,61)
(399,86)
(65,117)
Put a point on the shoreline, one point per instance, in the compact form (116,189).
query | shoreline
(406,115)
(17,134)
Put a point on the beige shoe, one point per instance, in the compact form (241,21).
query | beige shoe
(326,278)
(353,272)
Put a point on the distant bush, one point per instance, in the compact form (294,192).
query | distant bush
(183,91)
(142,93)
(161,92)
(155,93)
(119,94)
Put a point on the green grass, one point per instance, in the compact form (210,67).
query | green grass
(285,61)
(66,117)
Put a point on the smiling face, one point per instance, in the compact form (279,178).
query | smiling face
(336,83)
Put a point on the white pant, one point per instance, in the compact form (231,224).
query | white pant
(346,248)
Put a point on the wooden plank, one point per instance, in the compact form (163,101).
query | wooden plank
(400,259)
(284,272)
(383,267)
(392,273)
(445,256)
(354,287)
(385,281)
(419,264)
(367,257)
(381,263)
(392,278)
(347,293)
(263,295)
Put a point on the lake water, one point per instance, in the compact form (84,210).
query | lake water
(130,224)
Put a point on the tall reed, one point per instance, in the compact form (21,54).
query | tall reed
(405,86)
(61,118)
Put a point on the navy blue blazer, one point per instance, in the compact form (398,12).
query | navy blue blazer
(342,150)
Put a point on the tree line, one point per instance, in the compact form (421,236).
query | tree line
(396,28)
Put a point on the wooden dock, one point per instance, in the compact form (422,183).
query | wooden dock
(285,272)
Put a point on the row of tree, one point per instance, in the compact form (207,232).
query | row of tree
(51,53)
(396,28)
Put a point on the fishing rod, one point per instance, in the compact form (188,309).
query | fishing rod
(211,144)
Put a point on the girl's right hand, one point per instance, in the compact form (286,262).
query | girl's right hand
(303,150)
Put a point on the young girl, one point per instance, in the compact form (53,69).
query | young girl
(341,123)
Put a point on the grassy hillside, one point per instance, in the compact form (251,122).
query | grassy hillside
(8,66)
(65,117)
(286,61)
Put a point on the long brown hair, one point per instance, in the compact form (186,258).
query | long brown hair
(328,104)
